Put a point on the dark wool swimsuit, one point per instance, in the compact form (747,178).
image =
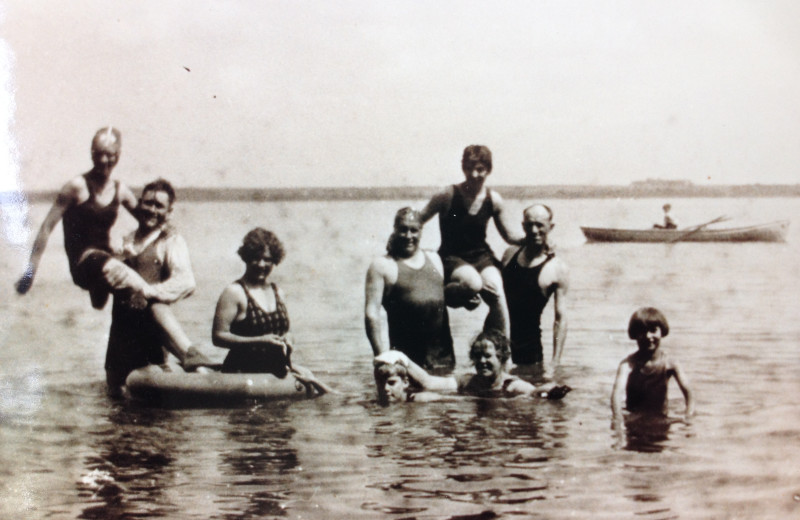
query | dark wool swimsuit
(418,321)
(258,322)
(525,305)
(464,235)
(86,227)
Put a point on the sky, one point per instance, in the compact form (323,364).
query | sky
(388,93)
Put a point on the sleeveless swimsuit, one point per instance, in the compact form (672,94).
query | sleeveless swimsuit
(135,339)
(418,321)
(258,322)
(525,305)
(464,236)
(646,389)
(86,230)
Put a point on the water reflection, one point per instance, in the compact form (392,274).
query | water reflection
(261,463)
(478,452)
(131,465)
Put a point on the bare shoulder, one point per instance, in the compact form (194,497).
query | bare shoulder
(384,267)
(233,293)
(497,199)
(438,203)
(519,386)
(559,269)
(126,194)
(435,259)
(75,190)
(509,253)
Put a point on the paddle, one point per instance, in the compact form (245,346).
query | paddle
(699,227)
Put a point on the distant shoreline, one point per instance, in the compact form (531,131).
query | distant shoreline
(636,190)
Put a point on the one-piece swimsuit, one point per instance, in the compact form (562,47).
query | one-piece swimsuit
(525,305)
(258,322)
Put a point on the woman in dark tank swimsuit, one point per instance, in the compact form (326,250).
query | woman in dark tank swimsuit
(251,319)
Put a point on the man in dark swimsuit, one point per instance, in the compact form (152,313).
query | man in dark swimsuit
(139,329)
(531,274)
(408,283)
(88,205)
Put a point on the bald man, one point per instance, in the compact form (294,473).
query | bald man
(531,274)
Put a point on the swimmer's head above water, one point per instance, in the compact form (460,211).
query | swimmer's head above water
(392,382)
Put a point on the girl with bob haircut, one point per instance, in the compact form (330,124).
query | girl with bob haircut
(643,377)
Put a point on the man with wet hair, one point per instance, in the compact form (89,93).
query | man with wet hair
(408,283)
(531,274)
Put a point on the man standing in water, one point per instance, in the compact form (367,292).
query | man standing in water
(408,283)
(531,273)
(140,328)
(89,205)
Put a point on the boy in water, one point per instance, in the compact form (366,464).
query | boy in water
(489,353)
(470,267)
(643,377)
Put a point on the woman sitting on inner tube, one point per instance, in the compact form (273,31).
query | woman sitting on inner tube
(251,319)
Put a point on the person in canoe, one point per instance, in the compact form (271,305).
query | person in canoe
(531,274)
(669,222)
(489,353)
(139,328)
(471,269)
(643,377)
(251,319)
(408,282)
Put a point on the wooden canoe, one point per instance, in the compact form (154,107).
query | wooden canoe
(770,232)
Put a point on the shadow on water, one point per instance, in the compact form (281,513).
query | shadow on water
(261,465)
(131,464)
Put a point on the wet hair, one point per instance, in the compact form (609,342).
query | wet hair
(545,206)
(259,240)
(474,154)
(384,371)
(106,136)
(502,345)
(643,319)
(402,214)
(161,184)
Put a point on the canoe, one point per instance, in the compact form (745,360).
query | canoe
(155,386)
(770,232)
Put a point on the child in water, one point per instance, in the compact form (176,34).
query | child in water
(489,352)
(643,377)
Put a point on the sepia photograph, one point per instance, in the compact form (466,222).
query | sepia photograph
(401,260)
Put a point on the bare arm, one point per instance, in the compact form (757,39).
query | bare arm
(230,303)
(560,313)
(439,203)
(127,198)
(501,221)
(375,284)
(618,392)
(180,283)
(683,384)
(66,199)
(418,374)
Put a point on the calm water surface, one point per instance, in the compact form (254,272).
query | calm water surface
(67,451)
